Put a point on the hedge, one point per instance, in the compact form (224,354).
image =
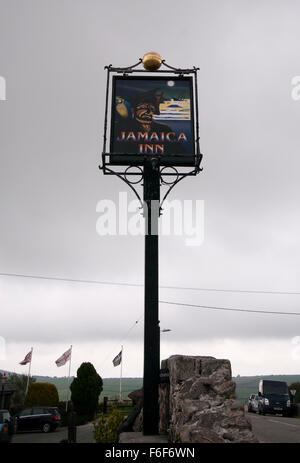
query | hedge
(41,394)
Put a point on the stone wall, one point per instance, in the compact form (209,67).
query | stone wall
(199,403)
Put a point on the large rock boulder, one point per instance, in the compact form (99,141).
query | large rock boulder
(199,403)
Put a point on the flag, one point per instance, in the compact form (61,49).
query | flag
(118,359)
(64,358)
(27,358)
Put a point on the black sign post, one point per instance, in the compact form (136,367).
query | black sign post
(154,140)
(151,327)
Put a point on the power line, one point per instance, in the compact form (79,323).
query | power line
(71,280)
(113,283)
(125,337)
(269,312)
(228,308)
(231,290)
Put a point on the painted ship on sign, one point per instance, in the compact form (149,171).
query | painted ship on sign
(174,110)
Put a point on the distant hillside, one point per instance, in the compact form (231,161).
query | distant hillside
(245,385)
(111,386)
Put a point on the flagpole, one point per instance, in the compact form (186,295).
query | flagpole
(68,395)
(28,373)
(121,373)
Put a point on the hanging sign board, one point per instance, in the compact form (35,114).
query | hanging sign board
(152,116)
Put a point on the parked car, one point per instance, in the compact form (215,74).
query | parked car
(6,427)
(253,403)
(44,419)
(274,398)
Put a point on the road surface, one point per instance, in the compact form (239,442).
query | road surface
(270,428)
(84,435)
(267,429)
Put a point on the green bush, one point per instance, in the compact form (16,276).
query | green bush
(40,394)
(85,390)
(106,427)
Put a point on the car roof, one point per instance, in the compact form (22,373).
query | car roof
(39,406)
(269,381)
(43,406)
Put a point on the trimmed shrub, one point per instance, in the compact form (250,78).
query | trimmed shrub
(40,394)
(85,390)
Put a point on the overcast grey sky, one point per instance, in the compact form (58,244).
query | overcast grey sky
(52,55)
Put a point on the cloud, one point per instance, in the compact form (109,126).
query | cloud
(50,132)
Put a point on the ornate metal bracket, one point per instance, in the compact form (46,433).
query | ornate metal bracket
(175,182)
(123,177)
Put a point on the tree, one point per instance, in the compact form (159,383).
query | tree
(41,394)
(85,390)
(19,382)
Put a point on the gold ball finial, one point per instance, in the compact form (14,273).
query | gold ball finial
(151,61)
